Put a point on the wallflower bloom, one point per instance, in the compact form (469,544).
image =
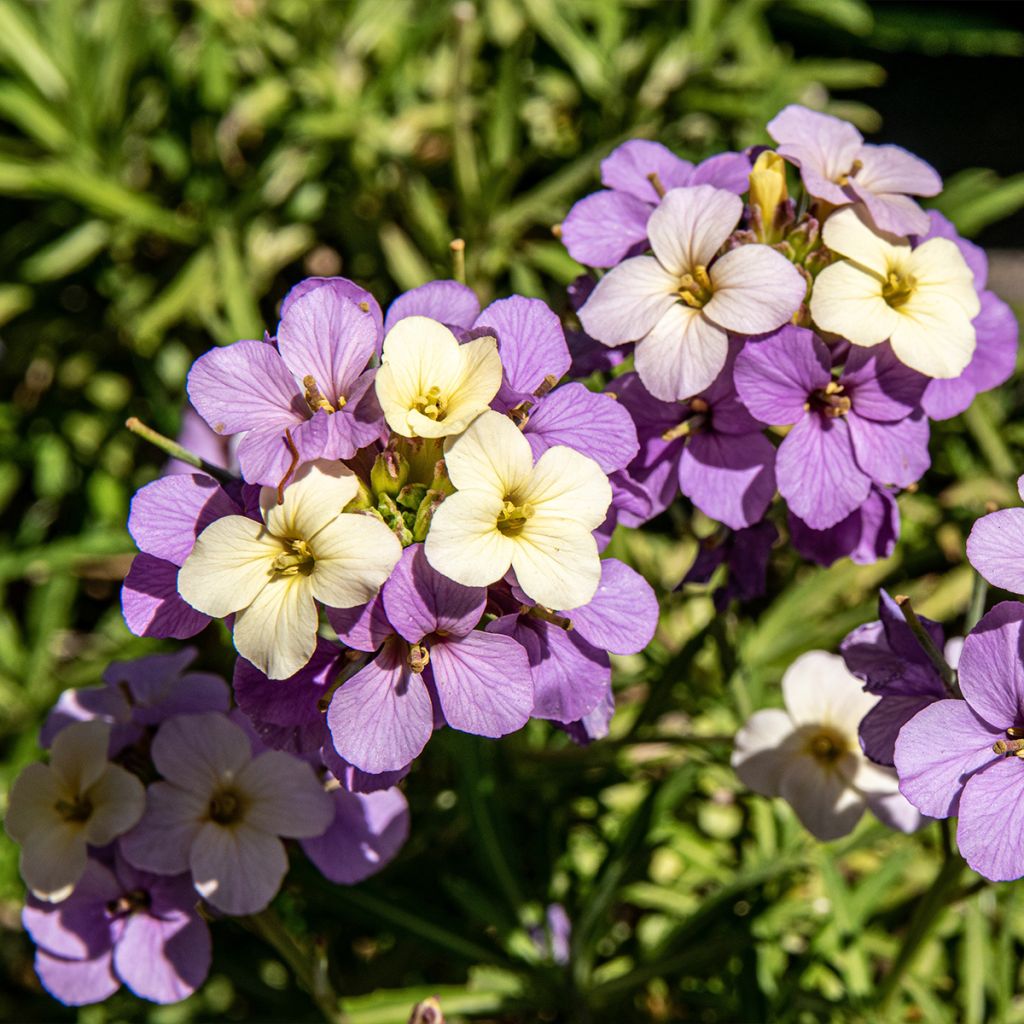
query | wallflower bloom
(679,303)
(995,546)
(508,512)
(219,812)
(809,754)
(431,386)
(78,799)
(272,573)
(922,300)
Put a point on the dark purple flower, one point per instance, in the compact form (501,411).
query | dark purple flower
(382,717)
(120,925)
(887,657)
(312,381)
(846,435)
(961,757)
(864,536)
(745,553)
(607,226)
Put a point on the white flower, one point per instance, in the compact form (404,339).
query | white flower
(810,754)
(679,304)
(431,386)
(509,512)
(220,811)
(921,300)
(79,798)
(271,574)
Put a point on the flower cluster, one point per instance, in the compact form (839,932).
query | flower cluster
(424,481)
(792,345)
(161,808)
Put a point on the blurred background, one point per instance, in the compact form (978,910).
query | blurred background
(168,169)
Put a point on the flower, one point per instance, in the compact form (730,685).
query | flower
(809,754)
(921,300)
(961,757)
(430,655)
(889,659)
(847,434)
(867,534)
(272,573)
(508,512)
(313,382)
(78,799)
(219,812)
(120,925)
(679,303)
(745,553)
(837,166)
(995,546)
(605,227)
(431,386)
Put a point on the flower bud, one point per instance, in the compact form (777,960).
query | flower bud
(390,472)
(428,506)
(768,188)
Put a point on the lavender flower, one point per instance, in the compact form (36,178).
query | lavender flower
(962,757)
(848,434)
(746,554)
(995,546)
(867,534)
(120,926)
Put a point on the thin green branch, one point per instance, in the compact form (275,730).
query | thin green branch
(177,451)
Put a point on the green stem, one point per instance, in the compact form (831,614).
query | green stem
(458,248)
(976,607)
(176,451)
(927,644)
(978,418)
(308,967)
(925,917)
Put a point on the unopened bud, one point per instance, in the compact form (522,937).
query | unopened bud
(441,482)
(768,188)
(390,472)
(425,513)
(362,501)
(410,496)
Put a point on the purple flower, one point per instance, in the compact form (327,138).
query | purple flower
(679,304)
(120,926)
(139,693)
(453,304)
(220,811)
(867,534)
(568,650)
(198,438)
(710,447)
(838,167)
(423,623)
(995,547)
(166,517)
(745,553)
(593,726)
(607,226)
(848,434)
(887,657)
(961,757)
(313,381)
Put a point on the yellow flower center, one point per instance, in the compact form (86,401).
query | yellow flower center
(695,287)
(419,658)
(512,518)
(432,405)
(76,810)
(226,807)
(315,400)
(897,288)
(826,745)
(296,557)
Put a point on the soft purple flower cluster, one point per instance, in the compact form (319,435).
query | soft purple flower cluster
(781,346)
(207,838)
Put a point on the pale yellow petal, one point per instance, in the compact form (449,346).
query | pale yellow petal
(118,800)
(32,802)
(229,565)
(79,754)
(52,862)
(464,542)
(478,384)
(492,455)
(567,486)
(277,631)
(845,233)
(558,568)
(353,555)
(315,496)
(938,264)
(847,300)
(933,335)
(819,690)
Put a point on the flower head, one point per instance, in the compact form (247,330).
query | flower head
(220,811)
(922,300)
(431,386)
(810,756)
(271,573)
(508,512)
(679,304)
(55,811)
(995,546)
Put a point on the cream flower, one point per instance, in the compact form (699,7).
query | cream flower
(810,754)
(78,799)
(538,519)
(271,574)
(431,386)
(922,300)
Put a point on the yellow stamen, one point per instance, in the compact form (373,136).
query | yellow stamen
(432,405)
(826,746)
(297,557)
(898,288)
(512,518)
(314,399)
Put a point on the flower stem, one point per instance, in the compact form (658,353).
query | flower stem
(927,643)
(308,966)
(923,921)
(177,451)
(458,248)
(976,608)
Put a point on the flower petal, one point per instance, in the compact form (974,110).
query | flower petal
(163,960)
(555,566)
(622,615)
(163,838)
(567,486)
(464,542)
(492,455)
(449,302)
(118,800)
(196,752)
(991,819)
(819,690)
(77,982)
(151,604)
(627,169)
(277,631)
(995,548)
(891,453)
(237,869)
(690,225)
(284,796)
(991,668)
(763,749)
(354,556)
(602,229)
(314,497)
(847,300)
(756,289)
(682,355)
(629,300)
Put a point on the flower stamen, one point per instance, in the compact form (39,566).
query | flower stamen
(226,807)
(512,518)
(432,405)
(76,810)
(297,557)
